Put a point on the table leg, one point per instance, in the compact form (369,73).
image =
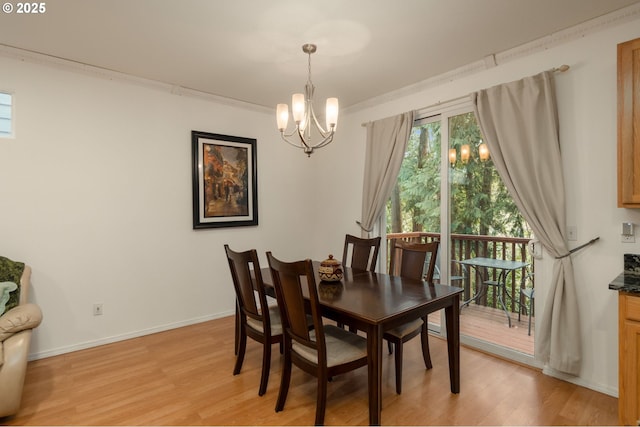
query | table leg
(452,317)
(374,356)
(480,291)
(502,290)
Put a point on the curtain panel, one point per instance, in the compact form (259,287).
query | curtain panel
(386,144)
(519,121)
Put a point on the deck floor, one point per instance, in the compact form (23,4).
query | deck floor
(491,325)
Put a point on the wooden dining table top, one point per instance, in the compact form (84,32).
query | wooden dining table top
(375,297)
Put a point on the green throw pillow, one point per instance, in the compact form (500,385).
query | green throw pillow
(11,271)
(5,291)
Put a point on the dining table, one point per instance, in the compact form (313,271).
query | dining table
(505,267)
(376,302)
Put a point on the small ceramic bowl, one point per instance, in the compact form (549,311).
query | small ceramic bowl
(330,270)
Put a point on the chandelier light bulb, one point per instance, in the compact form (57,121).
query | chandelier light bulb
(332,113)
(298,107)
(282,116)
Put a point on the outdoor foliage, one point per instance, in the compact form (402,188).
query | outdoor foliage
(479,201)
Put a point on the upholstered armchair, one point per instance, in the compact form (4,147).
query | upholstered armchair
(16,325)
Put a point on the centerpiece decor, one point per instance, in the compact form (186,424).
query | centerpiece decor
(330,270)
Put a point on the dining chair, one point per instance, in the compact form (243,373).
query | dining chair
(255,317)
(324,351)
(364,252)
(360,254)
(417,261)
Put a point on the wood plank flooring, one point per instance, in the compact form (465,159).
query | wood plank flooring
(491,325)
(184,377)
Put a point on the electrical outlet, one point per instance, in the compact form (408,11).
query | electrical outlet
(631,238)
(97,309)
(572,233)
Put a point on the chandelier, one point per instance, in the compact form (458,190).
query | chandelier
(305,118)
(465,153)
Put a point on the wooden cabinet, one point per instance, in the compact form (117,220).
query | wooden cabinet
(629,359)
(629,124)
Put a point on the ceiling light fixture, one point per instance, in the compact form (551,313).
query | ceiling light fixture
(305,117)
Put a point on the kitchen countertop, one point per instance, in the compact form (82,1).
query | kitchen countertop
(629,279)
(626,282)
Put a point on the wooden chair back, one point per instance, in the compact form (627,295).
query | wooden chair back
(364,252)
(413,257)
(290,280)
(241,264)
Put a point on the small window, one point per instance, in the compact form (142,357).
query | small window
(6,113)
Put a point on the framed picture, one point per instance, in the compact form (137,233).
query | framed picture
(225,180)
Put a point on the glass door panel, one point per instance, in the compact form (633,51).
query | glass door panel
(484,222)
(413,212)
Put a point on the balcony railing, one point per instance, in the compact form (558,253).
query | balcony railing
(465,246)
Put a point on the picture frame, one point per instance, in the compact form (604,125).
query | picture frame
(225,180)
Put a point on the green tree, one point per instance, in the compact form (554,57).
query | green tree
(479,201)
(415,202)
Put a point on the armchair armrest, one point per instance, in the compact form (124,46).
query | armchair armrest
(25,316)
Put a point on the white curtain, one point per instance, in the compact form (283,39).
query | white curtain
(386,144)
(519,121)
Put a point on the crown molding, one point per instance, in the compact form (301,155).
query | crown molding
(595,25)
(106,74)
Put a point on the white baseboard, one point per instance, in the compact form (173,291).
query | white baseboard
(526,359)
(580,381)
(129,335)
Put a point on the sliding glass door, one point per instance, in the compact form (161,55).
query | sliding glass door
(448,190)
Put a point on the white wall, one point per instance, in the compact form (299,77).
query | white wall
(587,111)
(96,197)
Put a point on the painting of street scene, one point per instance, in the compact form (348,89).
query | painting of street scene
(226,181)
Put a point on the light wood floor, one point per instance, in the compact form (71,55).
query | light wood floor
(183,377)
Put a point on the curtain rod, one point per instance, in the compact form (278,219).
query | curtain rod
(560,69)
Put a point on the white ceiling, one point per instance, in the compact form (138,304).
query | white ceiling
(250,50)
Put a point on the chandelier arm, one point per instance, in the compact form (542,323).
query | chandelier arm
(320,144)
(285,138)
(289,135)
(325,141)
(321,130)
(301,135)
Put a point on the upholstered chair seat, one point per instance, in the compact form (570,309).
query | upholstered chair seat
(276,323)
(406,329)
(342,346)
